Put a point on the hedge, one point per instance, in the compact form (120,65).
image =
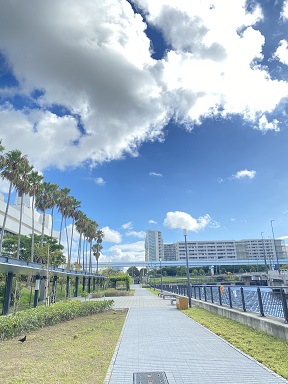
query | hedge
(42,316)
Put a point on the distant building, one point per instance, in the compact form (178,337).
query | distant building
(255,249)
(153,245)
(12,221)
(170,252)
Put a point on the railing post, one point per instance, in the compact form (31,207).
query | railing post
(199,289)
(212,298)
(220,297)
(230,297)
(205,296)
(260,302)
(195,292)
(284,304)
(243,299)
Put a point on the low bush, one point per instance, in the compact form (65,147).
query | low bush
(42,316)
(111,292)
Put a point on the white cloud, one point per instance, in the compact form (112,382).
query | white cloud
(93,59)
(111,236)
(282,52)
(127,252)
(284,13)
(244,173)
(100,181)
(155,174)
(233,219)
(152,222)
(140,234)
(128,225)
(238,175)
(264,125)
(183,220)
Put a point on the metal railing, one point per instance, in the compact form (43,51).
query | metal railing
(270,301)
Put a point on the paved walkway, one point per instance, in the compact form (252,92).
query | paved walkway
(158,337)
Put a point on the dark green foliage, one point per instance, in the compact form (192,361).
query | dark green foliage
(56,256)
(120,277)
(42,316)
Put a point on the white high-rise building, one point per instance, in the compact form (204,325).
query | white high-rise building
(255,249)
(153,245)
(13,218)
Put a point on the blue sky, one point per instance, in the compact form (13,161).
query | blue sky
(157,115)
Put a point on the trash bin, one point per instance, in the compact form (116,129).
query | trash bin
(182,303)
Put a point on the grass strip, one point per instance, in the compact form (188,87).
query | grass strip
(77,351)
(268,350)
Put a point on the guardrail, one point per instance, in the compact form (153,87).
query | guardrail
(271,301)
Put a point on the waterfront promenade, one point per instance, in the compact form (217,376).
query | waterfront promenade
(158,337)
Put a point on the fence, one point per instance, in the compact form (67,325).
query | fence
(270,301)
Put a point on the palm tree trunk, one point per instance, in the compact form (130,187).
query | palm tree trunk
(61,225)
(33,230)
(43,226)
(79,249)
(20,225)
(67,240)
(5,217)
(71,240)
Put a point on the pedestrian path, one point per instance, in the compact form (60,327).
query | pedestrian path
(158,337)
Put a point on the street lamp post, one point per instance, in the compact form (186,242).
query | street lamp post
(161,273)
(264,253)
(278,266)
(187,269)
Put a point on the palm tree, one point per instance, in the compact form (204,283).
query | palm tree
(73,213)
(54,196)
(10,170)
(22,187)
(43,202)
(80,226)
(91,235)
(98,246)
(62,205)
(35,180)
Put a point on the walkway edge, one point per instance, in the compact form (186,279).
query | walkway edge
(112,362)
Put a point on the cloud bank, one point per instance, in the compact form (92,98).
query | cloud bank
(90,90)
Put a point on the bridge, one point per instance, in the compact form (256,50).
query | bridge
(182,263)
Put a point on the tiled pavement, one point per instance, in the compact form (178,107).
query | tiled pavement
(158,337)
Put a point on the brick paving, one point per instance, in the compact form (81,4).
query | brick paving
(158,337)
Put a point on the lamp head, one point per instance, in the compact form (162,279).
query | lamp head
(185,232)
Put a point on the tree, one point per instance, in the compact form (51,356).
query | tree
(80,226)
(10,170)
(133,271)
(97,247)
(35,180)
(43,202)
(62,204)
(22,187)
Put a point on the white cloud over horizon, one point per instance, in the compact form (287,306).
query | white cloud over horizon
(111,236)
(93,61)
(244,173)
(181,220)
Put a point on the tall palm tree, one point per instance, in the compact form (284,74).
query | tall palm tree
(62,206)
(80,226)
(91,235)
(75,205)
(35,180)
(98,246)
(54,196)
(43,202)
(23,187)
(10,171)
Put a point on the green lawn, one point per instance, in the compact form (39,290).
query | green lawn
(76,351)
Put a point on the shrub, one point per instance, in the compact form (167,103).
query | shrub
(42,316)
